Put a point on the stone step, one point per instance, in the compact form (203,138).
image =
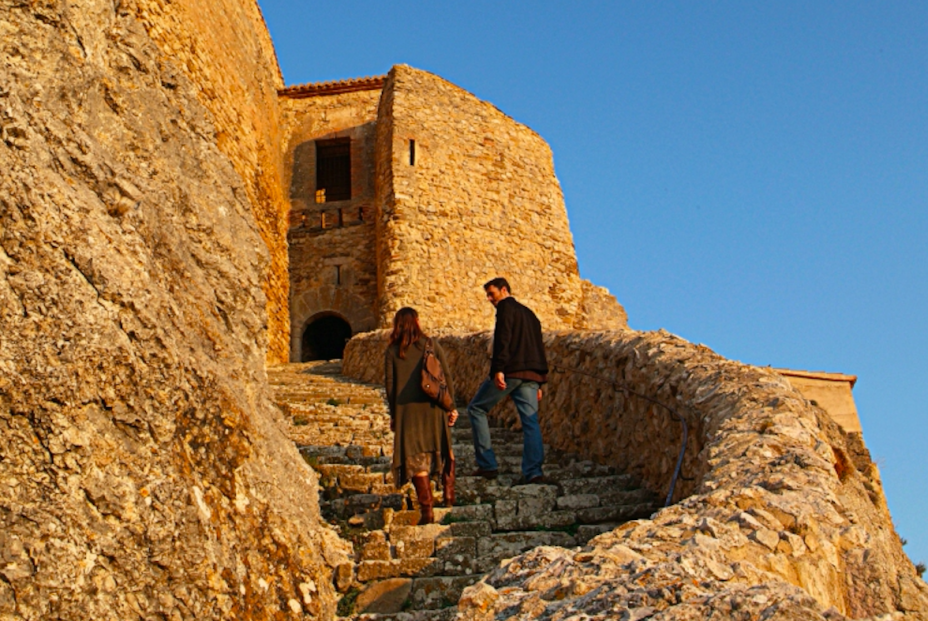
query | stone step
(407,572)
(300,385)
(439,614)
(498,546)
(337,417)
(464,436)
(591,485)
(418,599)
(451,550)
(318,454)
(335,400)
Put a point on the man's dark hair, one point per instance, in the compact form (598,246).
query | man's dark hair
(500,283)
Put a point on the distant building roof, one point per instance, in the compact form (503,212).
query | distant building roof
(829,391)
(317,89)
(819,375)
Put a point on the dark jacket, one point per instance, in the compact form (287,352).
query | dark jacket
(517,342)
(420,425)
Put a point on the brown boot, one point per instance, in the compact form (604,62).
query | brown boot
(424,493)
(447,484)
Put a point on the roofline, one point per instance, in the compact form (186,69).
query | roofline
(820,375)
(336,87)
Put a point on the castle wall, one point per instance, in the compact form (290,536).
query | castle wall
(333,267)
(225,50)
(481,200)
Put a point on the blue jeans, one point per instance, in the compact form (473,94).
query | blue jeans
(524,394)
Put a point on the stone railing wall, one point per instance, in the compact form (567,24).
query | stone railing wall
(775,495)
(579,413)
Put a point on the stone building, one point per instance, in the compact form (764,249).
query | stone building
(408,190)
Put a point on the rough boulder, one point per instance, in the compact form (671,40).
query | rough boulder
(142,470)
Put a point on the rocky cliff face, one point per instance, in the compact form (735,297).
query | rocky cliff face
(142,472)
(224,49)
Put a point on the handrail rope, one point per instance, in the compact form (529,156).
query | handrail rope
(620,386)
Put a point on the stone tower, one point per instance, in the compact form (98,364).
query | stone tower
(406,190)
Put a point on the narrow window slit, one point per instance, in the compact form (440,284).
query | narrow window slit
(412,152)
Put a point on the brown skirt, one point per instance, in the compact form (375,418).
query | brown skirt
(424,462)
(431,462)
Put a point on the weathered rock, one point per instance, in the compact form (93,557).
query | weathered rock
(232,70)
(143,473)
(384,597)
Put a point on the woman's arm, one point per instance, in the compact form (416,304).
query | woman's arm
(445,367)
(449,380)
(389,381)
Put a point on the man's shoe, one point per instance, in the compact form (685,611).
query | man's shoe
(486,474)
(539,480)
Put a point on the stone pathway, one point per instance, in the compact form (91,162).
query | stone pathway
(409,572)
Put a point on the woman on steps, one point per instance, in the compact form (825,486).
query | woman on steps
(422,434)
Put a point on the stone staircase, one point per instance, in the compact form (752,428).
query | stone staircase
(410,572)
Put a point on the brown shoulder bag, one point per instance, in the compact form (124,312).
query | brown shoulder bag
(433,379)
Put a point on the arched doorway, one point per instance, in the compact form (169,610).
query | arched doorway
(324,338)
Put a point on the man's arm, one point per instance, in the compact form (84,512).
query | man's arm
(502,339)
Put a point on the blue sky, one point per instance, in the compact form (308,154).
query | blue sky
(749,176)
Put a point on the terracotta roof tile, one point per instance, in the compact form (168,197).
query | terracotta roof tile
(317,89)
(820,375)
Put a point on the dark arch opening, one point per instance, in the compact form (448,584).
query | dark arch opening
(325,338)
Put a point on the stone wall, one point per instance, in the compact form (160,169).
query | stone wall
(143,470)
(479,200)
(580,413)
(333,266)
(224,49)
(599,310)
(779,510)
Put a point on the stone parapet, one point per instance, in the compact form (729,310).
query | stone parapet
(599,309)
(774,499)
(830,391)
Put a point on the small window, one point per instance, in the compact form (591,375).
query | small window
(333,169)
(412,152)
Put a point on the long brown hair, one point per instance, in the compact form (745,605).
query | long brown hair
(406,330)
